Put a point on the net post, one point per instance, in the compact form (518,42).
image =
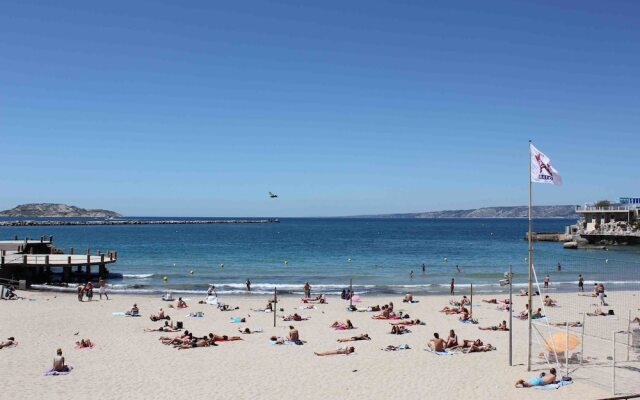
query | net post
(613,366)
(566,347)
(582,339)
(628,334)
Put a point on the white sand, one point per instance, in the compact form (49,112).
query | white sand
(129,363)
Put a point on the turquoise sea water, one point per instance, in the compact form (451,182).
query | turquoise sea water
(378,254)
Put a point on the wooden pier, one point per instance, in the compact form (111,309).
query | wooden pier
(38,260)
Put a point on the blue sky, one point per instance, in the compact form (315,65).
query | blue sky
(201,108)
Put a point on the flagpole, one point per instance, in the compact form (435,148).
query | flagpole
(530,266)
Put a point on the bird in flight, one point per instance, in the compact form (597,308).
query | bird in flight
(273,196)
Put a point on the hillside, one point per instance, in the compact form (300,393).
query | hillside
(56,210)
(563,211)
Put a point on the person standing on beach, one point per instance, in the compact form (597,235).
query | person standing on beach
(546,281)
(80,292)
(307,290)
(424,268)
(88,289)
(580,283)
(102,289)
(248,283)
(452,286)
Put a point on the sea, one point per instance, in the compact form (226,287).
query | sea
(375,255)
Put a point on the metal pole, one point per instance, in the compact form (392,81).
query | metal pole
(530,266)
(566,347)
(613,365)
(582,339)
(275,302)
(510,317)
(350,294)
(628,334)
(471,302)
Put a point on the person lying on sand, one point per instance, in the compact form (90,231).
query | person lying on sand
(202,342)
(165,328)
(549,302)
(363,336)
(224,338)
(463,302)
(58,362)
(318,299)
(6,343)
(386,313)
(500,327)
(598,313)
(294,317)
(537,314)
(468,343)
(526,293)
(542,380)
(84,343)
(436,344)
(374,308)
(576,324)
(635,320)
(503,307)
(454,310)
(452,340)
(247,331)
(180,339)
(160,315)
(408,323)
(399,330)
(346,351)
(525,313)
(226,307)
(342,325)
(496,301)
(479,349)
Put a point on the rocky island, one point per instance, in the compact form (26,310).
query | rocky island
(37,210)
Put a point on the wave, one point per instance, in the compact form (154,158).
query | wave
(138,276)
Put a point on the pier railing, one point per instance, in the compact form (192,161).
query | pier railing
(605,209)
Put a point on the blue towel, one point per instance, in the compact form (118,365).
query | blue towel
(553,386)
(469,321)
(236,320)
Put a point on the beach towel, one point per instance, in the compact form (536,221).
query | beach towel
(198,314)
(51,372)
(469,321)
(118,314)
(236,320)
(397,348)
(553,386)
(440,353)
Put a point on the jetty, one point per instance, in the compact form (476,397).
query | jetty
(39,261)
(136,222)
(609,223)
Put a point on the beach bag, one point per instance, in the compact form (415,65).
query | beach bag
(178,324)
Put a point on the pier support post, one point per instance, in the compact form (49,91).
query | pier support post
(66,271)
(102,271)
(88,272)
(71,251)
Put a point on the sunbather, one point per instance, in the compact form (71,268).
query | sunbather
(408,323)
(452,340)
(202,342)
(543,379)
(500,327)
(294,335)
(134,311)
(84,343)
(363,336)
(466,316)
(468,343)
(537,314)
(7,343)
(373,308)
(181,303)
(346,351)
(549,302)
(59,364)
(399,330)
(224,338)
(437,344)
(479,349)
(342,325)
(525,313)
(408,298)
(160,315)
(576,324)
(165,328)
(180,339)
(294,317)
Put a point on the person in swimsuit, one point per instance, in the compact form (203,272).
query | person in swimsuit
(102,289)
(580,283)
(399,330)
(363,336)
(542,380)
(181,303)
(407,323)
(307,290)
(452,340)
(294,335)
(500,327)
(6,343)
(408,298)
(437,344)
(346,351)
(340,325)
(58,362)
(479,349)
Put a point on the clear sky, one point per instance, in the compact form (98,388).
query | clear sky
(199,108)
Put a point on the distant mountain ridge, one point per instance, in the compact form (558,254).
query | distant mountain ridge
(56,210)
(562,211)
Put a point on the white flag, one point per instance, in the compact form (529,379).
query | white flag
(541,169)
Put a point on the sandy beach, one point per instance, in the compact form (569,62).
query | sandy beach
(129,362)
